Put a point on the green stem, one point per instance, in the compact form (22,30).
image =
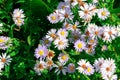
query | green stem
(86,77)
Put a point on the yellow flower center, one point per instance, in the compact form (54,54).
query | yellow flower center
(74,26)
(41,52)
(1,40)
(19,21)
(53,17)
(103,13)
(80,45)
(89,69)
(62,33)
(64,57)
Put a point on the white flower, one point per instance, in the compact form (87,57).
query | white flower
(18,13)
(65,15)
(62,33)
(103,13)
(51,35)
(87,11)
(109,77)
(63,5)
(110,33)
(75,26)
(67,25)
(63,58)
(89,70)
(79,45)
(72,2)
(5,59)
(18,17)
(60,68)
(98,64)
(108,67)
(39,67)
(45,41)
(53,18)
(83,64)
(61,43)
(75,35)
(19,21)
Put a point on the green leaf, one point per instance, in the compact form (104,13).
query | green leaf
(117,10)
(29,40)
(48,1)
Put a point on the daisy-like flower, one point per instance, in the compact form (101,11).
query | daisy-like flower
(62,33)
(39,67)
(5,42)
(90,50)
(75,35)
(75,26)
(108,77)
(51,35)
(65,15)
(104,47)
(71,2)
(80,45)
(60,67)
(85,67)
(67,25)
(63,58)
(108,67)
(49,64)
(41,52)
(45,41)
(98,64)
(71,68)
(18,13)
(61,43)
(63,5)
(103,13)
(89,70)
(50,54)
(87,11)
(1,66)
(5,59)
(53,18)
(18,17)
(110,33)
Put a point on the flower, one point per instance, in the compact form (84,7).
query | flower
(108,67)
(75,35)
(39,67)
(50,54)
(61,43)
(45,41)
(53,18)
(67,25)
(63,58)
(62,33)
(5,42)
(71,68)
(41,52)
(85,67)
(75,26)
(63,5)
(98,64)
(89,70)
(51,35)
(49,64)
(18,17)
(87,11)
(108,77)
(80,45)
(60,68)
(5,59)
(103,13)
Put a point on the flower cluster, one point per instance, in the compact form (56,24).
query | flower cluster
(4,61)
(81,33)
(18,17)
